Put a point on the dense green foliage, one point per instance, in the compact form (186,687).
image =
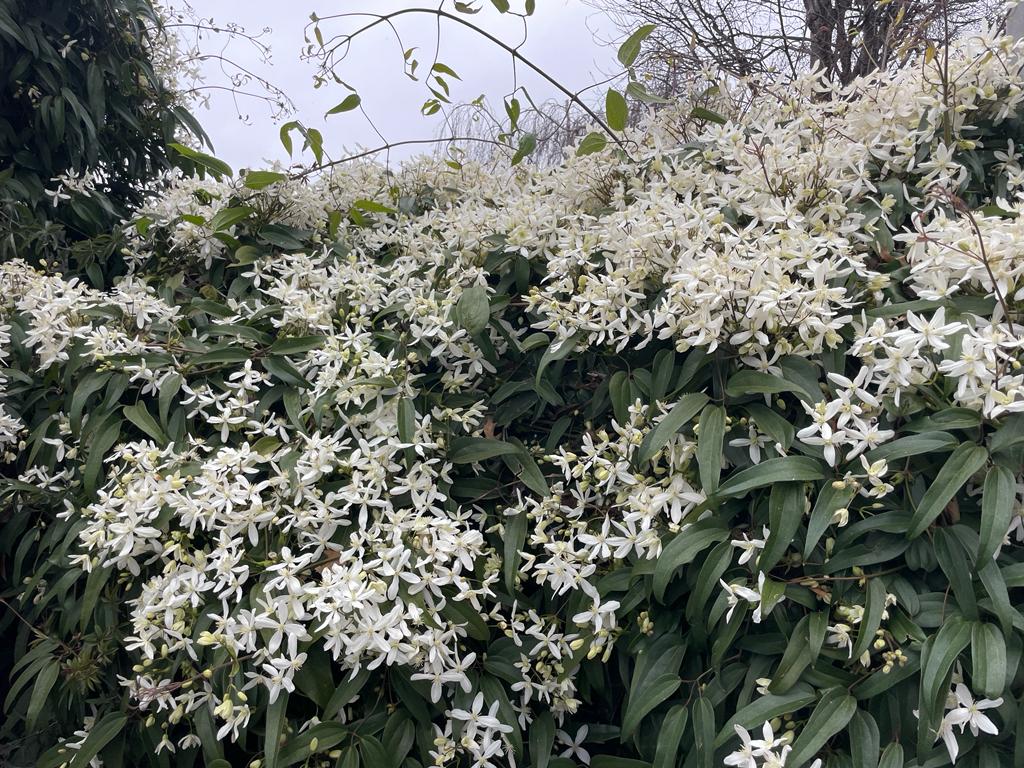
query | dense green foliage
(606,464)
(82,97)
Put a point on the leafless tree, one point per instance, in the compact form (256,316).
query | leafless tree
(780,39)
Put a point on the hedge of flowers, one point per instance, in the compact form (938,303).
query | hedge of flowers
(708,454)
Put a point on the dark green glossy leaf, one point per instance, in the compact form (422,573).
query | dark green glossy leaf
(967,459)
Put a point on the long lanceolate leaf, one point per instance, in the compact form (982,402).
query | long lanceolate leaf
(961,464)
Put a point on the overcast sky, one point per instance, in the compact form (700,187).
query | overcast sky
(565,37)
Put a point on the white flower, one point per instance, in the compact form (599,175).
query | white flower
(839,636)
(737,592)
(476,719)
(754,442)
(945,732)
(969,712)
(749,546)
(752,749)
(574,744)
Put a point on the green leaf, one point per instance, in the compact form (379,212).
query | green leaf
(817,624)
(616,109)
(139,416)
(913,445)
(1009,435)
(513,109)
(525,468)
(96,580)
(786,506)
(228,217)
(830,500)
(406,420)
(314,680)
(282,237)
(564,348)
(874,605)
(715,564)
(795,659)
(988,656)
(880,681)
(99,736)
(40,692)
(399,735)
(772,593)
(444,69)
(747,382)
(829,717)
(702,113)
(967,459)
(347,104)
(704,732)
(669,737)
(637,90)
(221,355)
(210,163)
(465,450)
(513,541)
(937,657)
(372,206)
(374,753)
(473,310)
(346,691)
(527,144)
(996,512)
(686,545)
(169,387)
(461,612)
(647,697)
(682,412)
(946,419)
(205,731)
(542,739)
(281,369)
(777,427)
(765,708)
(296,345)
(327,735)
(247,254)
(286,138)
(953,561)
(90,384)
(892,756)
(865,740)
(262,179)
(710,440)
(275,727)
(630,48)
(591,143)
(780,470)
(501,5)
(103,440)
(620,391)
(995,586)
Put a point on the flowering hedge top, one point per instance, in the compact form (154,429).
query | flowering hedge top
(551,467)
